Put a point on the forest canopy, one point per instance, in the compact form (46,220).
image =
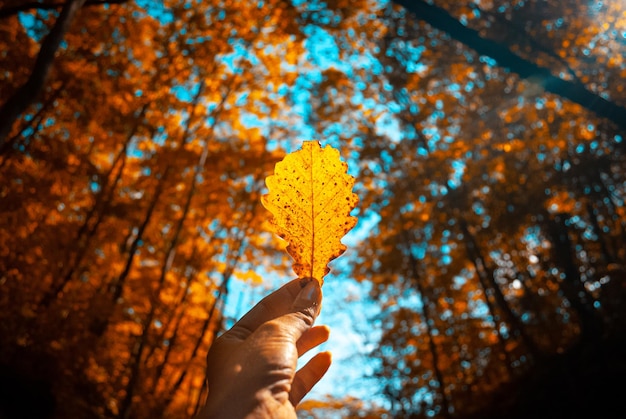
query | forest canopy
(487,140)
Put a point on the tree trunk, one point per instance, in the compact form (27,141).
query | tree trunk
(445,404)
(34,125)
(173,336)
(595,224)
(35,5)
(516,325)
(93,219)
(27,93)
(572,285)
(213,318)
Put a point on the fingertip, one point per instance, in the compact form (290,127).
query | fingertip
(320,364)
(311,338)
(309,297)
(304,281)
(325,331)
(325,358)
(309,375)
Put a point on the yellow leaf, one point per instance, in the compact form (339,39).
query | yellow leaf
(310,197)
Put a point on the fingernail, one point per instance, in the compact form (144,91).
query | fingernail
(310,293)
(304,281)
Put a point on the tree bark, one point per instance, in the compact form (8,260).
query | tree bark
(93,218)
(33,5)
(572,90)
(26,94)
(445,403)
(581,301)
(34,125)
(488,281)
(482,273)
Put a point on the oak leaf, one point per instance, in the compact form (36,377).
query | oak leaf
(310,198)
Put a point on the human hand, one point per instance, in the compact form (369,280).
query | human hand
(252,367)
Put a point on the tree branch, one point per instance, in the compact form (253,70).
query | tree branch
(33,5)
(27,93)
(572,90)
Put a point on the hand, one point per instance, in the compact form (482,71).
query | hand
(252,367)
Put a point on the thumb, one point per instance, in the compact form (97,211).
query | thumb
(308,303)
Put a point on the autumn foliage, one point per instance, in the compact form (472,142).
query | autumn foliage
(130,197)
(488,142)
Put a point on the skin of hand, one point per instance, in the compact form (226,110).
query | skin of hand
(252,367)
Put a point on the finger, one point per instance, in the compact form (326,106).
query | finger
(312,338)
(272,306)
(308,376)
(304,310)
(309,297)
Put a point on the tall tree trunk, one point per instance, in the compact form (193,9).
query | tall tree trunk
(489,280)
(572,285)
(135,364)
(206,326)
(529,301)
(481,272)
(34,125)
(173,336)
(118,285)
(572,90)
(168,261)
(213,317)
(27,93)
(417,281)
(138,354)
(618,235)
(35,5)
(93,219)
(593,217)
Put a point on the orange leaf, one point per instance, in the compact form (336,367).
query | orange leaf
(310,197)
